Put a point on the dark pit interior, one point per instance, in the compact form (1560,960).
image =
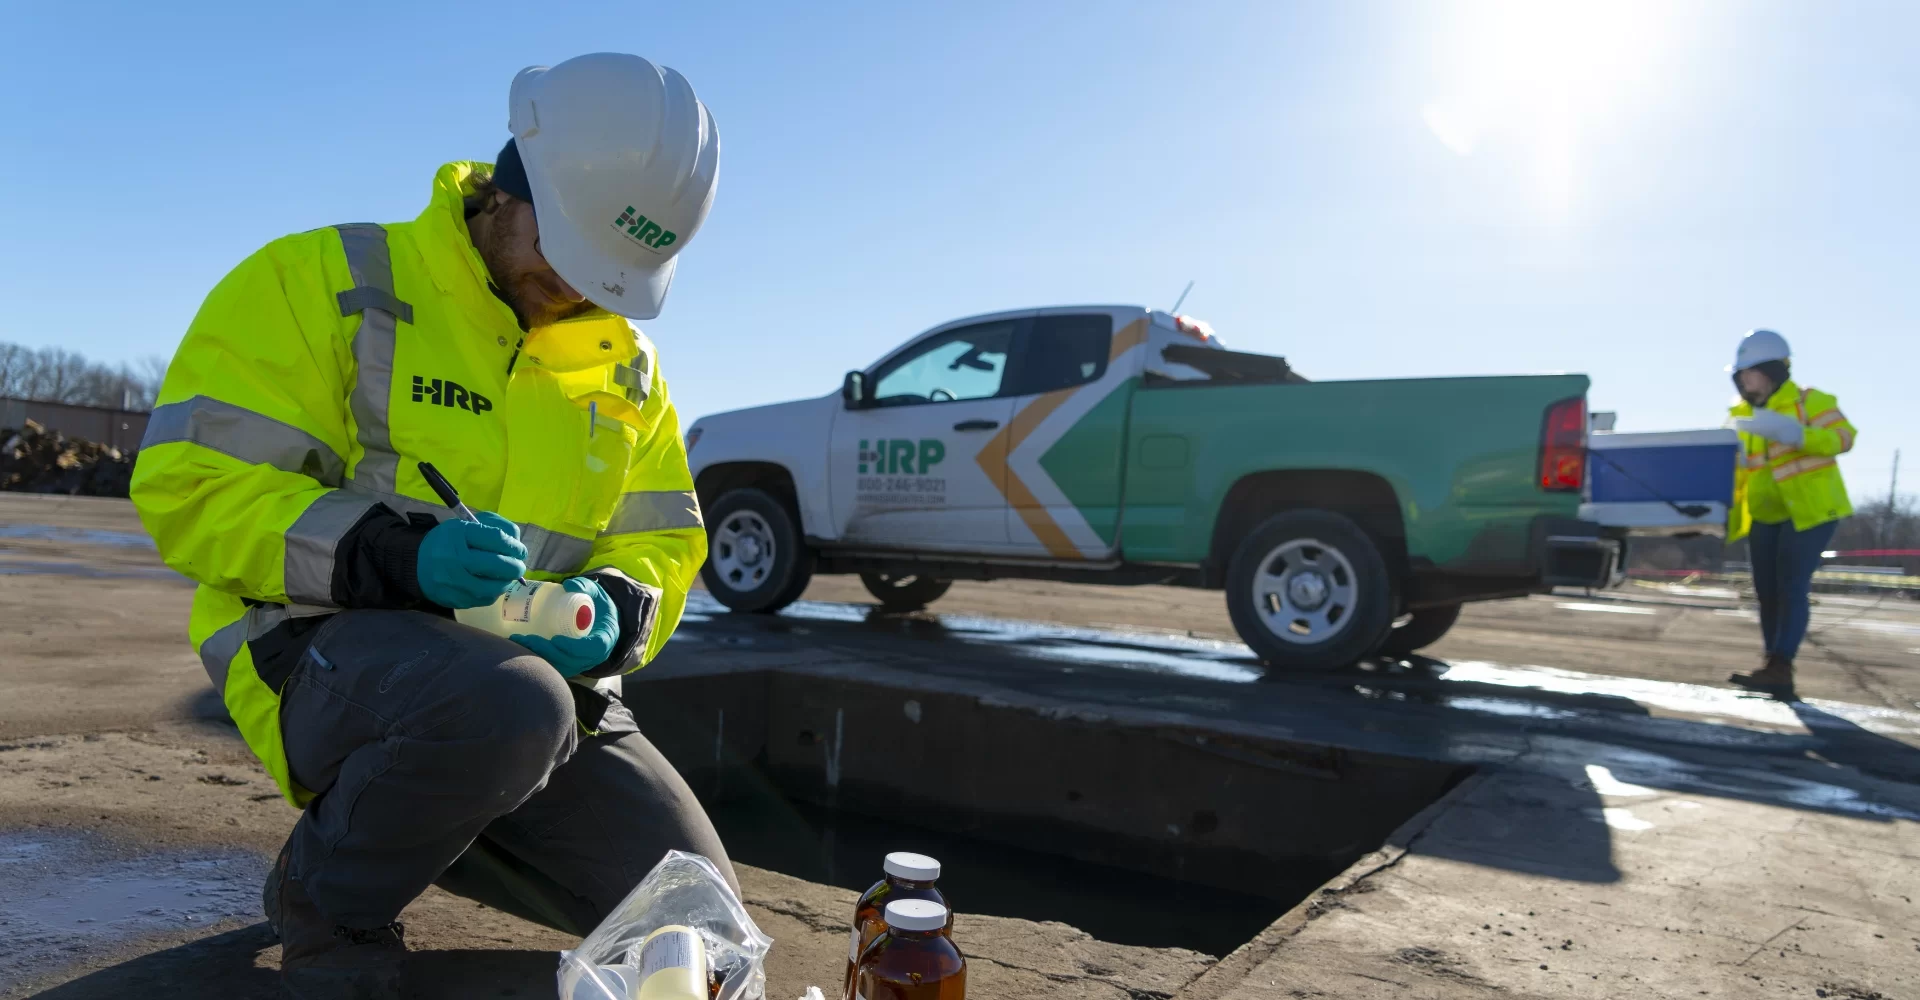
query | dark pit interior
(1164,836)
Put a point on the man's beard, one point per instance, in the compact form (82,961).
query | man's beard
(512,269)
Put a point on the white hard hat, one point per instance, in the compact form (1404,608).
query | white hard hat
(1759,346)
(622,160)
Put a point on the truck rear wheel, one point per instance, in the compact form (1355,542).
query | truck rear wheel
(1308,590)
(1422,629)
(757,560)
(904,591)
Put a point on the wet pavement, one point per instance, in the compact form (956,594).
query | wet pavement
(63,896)
(1841,758)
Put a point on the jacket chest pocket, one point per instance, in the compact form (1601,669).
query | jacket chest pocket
(566,464)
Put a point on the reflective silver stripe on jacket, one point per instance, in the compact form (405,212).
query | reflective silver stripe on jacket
(553,552)
(217,653)
(547,551)
(654,510)
(312,542)
(238,432)
(373,347)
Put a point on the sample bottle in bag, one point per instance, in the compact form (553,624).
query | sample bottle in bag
(673,965)
(908,876)
(913,959)
(533,607)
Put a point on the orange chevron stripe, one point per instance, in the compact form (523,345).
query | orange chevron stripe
(995,459)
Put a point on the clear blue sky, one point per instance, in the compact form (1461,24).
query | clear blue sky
(1372,189)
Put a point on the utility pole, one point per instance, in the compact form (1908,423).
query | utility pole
(1893,503)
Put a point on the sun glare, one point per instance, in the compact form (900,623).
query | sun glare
(1532,79)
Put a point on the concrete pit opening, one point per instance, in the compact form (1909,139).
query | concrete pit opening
(1135,831)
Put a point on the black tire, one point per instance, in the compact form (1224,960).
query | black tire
(904,591)
(740,572)
(1356,606)
(1423,629)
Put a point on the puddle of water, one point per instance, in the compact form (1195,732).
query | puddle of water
(1223,660)
(1642,767)
(62,896)
(1692,699)
(84,536)
(1609,608)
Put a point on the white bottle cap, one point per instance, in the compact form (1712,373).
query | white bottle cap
(912,867)
(916,915)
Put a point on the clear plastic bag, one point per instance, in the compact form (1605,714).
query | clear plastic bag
(682,889)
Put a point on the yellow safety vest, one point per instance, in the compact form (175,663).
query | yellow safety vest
(324,368)
(1808,477)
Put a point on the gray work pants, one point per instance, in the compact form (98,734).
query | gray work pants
(440,754)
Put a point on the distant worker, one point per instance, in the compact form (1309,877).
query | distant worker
(1787,499)
(488,337)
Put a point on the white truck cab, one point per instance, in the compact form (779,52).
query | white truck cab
(934,448)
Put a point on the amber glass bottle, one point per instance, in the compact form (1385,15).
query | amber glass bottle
(907,876)
(913,959)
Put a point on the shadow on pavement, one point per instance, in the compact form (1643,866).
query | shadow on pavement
(1842,742)
(230,966)
(218,966)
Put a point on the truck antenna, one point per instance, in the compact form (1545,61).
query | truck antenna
(1182,298)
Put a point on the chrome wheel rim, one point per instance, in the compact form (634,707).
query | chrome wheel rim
(743,550)
(1305,592)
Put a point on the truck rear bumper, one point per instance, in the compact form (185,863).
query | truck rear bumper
(1577,553)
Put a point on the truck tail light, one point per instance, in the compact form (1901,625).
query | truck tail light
(1563,446)
(693,437)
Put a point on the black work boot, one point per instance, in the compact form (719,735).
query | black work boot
(321,960)
(1775,679)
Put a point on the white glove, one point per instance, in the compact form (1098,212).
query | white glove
(1774,427)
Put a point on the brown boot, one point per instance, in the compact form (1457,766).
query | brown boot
(1774,679)
(321,960)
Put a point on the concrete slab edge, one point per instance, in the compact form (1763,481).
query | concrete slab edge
(1232,970)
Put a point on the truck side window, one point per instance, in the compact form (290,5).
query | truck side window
(968,363)
(1063,351)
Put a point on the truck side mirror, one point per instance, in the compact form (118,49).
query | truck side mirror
(853,390)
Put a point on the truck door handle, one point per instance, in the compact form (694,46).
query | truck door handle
(976,425)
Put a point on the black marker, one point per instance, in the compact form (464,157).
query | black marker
(445,491)
(448,495)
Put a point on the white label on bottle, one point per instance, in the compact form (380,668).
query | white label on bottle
(853,946)
(668,950)
(517,606)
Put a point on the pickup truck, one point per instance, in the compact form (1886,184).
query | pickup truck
(1124,445)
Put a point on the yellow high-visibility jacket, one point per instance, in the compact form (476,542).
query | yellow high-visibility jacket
(1807,478)
(326,366)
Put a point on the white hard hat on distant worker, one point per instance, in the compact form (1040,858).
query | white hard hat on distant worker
(1757,347)
(620,161)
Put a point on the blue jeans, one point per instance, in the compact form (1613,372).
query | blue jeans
(1783,565)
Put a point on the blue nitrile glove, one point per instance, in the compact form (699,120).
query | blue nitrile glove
(469,564)
(569,655)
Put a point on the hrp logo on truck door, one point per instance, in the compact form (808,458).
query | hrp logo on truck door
(893,472)
(892,455)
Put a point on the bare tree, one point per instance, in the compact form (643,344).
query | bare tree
(53,375)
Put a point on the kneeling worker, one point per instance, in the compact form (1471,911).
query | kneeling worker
(487,337)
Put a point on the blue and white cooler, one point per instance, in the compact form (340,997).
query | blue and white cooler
(1636,481)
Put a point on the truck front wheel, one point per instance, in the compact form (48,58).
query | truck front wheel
(757,560)
(904,591)
(1309,590)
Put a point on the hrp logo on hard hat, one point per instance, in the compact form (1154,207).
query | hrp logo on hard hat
(644,231)
(601,135)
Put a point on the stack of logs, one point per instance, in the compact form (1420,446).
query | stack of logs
(36,460)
